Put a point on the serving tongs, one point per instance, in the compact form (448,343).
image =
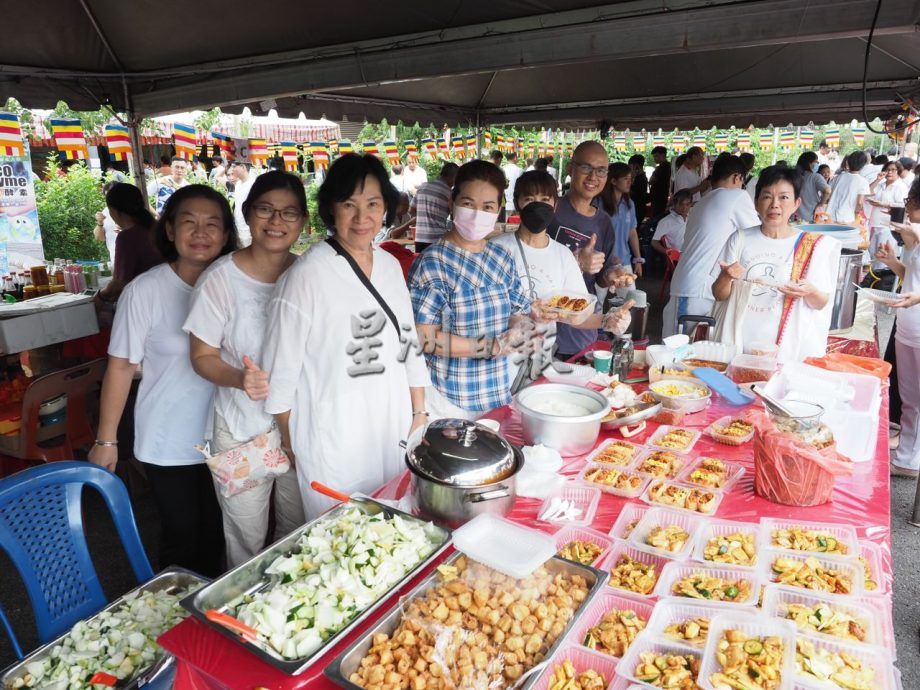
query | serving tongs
(772,403)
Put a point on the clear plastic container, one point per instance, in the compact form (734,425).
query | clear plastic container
(583,498)
(566,310)
(567,535)
(596,454)
(750,368)
(619,549)
(642,482)
(711,507)
(504,545)
(845,534)
(600,606)
(777,599)
(631,513)
(673,610)
(718,437)
(582,659)
(752,626)
(663,517)
(872,552)
(733,473)
(645,464)
(875,657)
(654,441)
(647,643)
(722,528)
(852,570)
(675,572)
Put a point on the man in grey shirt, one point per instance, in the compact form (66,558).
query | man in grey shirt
(816,192)
(431,207)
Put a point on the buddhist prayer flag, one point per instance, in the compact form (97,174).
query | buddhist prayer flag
(289,155)
(659,140)
(787,141)
(344,147)
(500,142)
(766,140)
(258,151)
(370,149)
(118,141)
(744,141)
(570,148)
(679,143)
(333,145)
(859,134)
(225,144)
(700,140)
(721,141)
(430,148)
(443,148)
(69,139)
(619,142)
(11,136)
(186,140)
(471,146)
(487,140)
(392,151)
(320,155)
(806,138)
(457,143)
(411,149)
(832,137)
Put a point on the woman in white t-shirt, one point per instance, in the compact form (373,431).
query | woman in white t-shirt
(848,190)
(888,191)
(794,273)
(544,265)
(173,402)
(227,323)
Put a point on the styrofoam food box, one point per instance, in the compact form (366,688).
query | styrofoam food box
(674,572)
(571,533)
(602,604)
(721,528)
(851,568)
(665,517)
(752,626)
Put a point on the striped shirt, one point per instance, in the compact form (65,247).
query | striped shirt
(432,208)
(468,294)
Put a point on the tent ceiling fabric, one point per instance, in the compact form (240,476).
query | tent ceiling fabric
(639,63)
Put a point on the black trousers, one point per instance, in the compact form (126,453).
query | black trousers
(894,395)
(192,533)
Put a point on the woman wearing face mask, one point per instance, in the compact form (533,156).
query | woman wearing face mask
(544,265)
(816,192)
(470,309)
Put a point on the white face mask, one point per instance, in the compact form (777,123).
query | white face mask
(473,225)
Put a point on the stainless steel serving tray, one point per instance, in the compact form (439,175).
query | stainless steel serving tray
(250,577)
(170,580)
(340,669)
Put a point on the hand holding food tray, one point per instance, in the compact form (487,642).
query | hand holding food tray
(305,592)
(569,305)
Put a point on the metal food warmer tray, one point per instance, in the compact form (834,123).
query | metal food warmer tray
(172,581)
(250,578)
(340,669)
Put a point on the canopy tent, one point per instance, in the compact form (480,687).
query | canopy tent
(639,63)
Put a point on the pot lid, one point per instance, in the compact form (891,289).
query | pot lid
(461,453)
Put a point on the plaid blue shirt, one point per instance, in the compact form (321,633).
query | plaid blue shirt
(469,295)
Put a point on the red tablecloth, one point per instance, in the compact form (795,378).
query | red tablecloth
(209,660)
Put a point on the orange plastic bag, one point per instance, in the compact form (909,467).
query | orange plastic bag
(852,364)
(791,472)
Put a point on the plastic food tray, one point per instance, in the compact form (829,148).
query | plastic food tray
(678,464)
(576,317)
(569,534)
(503,545)
(845,534)
(665,517)
(721,528)
(582,659)
(674,572)
(882,297)
(578,376)
(662,430)
(595,454)
(647,557)
(648,643)
(872,552)
(600,606)
(777,598)
(750,368)
(629,513)
(679,609)
(583,497)
(610,489)
(733,473)
(728,441)
(876,657)
(646,496)
(853,568)
(751,626)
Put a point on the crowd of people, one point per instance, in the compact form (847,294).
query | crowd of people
(344,354)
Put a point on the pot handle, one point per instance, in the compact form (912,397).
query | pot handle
(500,492)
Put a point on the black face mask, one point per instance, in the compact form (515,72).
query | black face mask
(536,215)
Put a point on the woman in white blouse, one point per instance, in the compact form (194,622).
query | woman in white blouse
(227,323)
(345,386)
(173,401)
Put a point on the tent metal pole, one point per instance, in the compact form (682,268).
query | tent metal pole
(136,153)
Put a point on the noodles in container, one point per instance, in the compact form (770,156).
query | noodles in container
(795,458)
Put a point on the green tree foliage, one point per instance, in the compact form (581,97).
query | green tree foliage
(67,207)
(207,120)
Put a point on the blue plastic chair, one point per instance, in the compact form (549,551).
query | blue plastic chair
(41,528)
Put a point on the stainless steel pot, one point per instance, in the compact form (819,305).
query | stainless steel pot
(570,435)
(460,469)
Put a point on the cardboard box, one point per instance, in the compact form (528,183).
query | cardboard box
(46,326)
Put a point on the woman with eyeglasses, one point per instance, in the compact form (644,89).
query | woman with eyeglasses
(227,323)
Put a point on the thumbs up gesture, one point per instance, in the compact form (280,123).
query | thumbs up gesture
(255,381)
(590,261)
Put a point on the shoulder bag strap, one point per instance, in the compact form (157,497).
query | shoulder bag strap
(520,245)
(332,242)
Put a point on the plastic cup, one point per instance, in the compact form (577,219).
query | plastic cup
(602,360)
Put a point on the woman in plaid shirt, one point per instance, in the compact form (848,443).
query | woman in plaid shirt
(470,309)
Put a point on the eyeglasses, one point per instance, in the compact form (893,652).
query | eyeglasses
(288,215)
(586,169)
